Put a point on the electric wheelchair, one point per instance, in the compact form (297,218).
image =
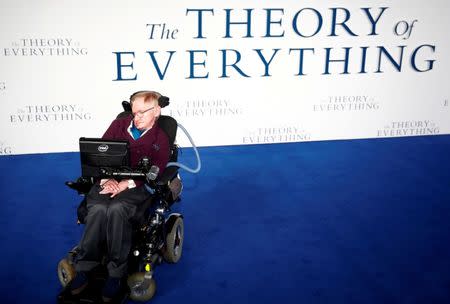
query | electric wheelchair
(157,233)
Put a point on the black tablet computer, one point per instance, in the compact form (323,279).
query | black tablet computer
(97,154)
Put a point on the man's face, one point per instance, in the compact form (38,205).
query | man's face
(144,113)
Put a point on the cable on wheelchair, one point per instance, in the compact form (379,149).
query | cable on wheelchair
(199,163)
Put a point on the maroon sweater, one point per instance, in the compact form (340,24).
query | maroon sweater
(154,144)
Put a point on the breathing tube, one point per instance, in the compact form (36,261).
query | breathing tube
(199,163)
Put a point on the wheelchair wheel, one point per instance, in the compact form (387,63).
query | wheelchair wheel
(138,292)
(174,241)
(66,272)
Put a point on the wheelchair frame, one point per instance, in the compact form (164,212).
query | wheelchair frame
(159,238)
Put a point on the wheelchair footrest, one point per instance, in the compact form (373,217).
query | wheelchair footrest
(93,292)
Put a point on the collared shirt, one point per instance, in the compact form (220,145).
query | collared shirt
(131,132)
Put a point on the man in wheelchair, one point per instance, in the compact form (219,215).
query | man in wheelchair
(112,204)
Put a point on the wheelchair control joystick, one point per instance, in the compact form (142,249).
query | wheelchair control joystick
(144,163)
(152,174)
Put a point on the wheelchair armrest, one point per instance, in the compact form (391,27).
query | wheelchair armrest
(82,185)
(169,174)
(169,185)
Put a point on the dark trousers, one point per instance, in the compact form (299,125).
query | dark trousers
(108,222)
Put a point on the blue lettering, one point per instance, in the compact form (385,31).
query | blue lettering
(200,19)
(263,59)
(373,21)
(248,23)
(430,62)
(328,60)
(155,63)
(234,65)
(269,22)
(120,66)
(319,22)
(334,21)
(301,51)
(397,65)
(193,63)
(363,59)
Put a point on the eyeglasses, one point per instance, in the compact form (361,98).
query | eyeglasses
(141,113)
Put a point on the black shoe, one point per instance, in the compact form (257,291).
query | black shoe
(111,289)
(79,283)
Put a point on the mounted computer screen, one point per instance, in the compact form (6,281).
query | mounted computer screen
(97,154)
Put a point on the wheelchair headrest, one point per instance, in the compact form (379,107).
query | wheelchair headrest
(126,106)
(169,125)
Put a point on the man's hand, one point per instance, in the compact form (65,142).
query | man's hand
(113,187)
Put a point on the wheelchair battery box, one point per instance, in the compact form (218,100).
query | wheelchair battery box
(97,154)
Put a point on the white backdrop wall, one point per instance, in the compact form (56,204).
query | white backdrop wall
(236,72)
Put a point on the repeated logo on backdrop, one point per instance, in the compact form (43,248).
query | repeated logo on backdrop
(276,134)
(5,149)
(346,103)
(40,47)
(203,108)
(409,128)
(49,113)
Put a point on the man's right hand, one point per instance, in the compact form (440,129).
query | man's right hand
(109,186)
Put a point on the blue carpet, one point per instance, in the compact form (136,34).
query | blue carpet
(362,221)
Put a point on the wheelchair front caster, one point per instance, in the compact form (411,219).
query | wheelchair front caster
(174,240)
(66,272)
(141,289)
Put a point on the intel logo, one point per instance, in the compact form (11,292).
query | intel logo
(103,148)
